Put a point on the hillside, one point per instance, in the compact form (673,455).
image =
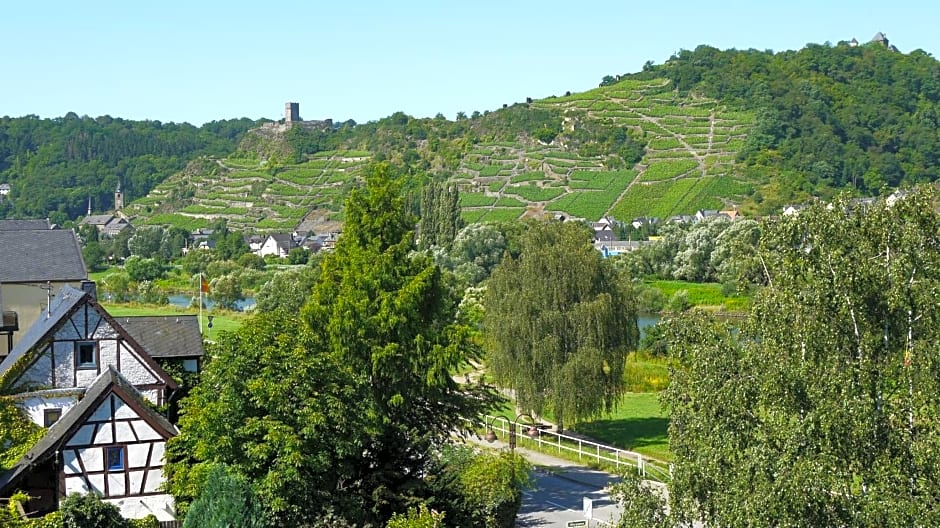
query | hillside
(55,166)
(683,160)
(706,129)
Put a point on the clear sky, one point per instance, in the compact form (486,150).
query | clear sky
(199,61)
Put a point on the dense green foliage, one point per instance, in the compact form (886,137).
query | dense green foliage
(559,324)
(821,409)
(440,215)
(828,117)
(479,488)
(337,410)
(225,502)
(56,165)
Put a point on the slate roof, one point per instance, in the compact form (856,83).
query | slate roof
(106,382)
(24,224)
(62,305)
(96,220)
(165,336)
(283,240)
(40,256)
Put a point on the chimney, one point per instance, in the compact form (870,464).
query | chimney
(89,287)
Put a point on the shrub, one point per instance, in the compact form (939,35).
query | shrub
(89,511)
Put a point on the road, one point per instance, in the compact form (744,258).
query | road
(558,498)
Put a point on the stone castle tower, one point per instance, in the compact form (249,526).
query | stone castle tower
(291,112)
(118,198)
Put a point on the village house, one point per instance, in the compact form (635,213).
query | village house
(278,245)
(37,263)
(82,374)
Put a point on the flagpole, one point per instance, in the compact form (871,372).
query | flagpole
(200,302)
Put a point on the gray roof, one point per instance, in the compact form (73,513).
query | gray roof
(96,219)
(60,307)
(106,382)
(40,256)
(283,240)
(165,336)
(24,224)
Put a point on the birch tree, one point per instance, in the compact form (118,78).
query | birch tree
(824,409)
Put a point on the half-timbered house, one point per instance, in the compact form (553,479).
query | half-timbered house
(78,372)
(72,343)
(110,443)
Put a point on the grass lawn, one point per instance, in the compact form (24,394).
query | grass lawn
(637,424)
(703,294)
(221,320)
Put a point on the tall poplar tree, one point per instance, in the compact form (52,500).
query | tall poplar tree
(823,409)
(559,324)
(440,214)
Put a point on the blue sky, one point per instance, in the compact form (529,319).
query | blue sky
(200,61)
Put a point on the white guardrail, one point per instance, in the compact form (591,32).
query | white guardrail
(546,439)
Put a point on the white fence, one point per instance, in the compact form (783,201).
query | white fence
(544,439)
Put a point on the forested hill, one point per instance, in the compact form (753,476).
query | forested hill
(55,165)
(827,117)
(707,129)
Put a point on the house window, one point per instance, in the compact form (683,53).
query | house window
(114,458)
(51,416)
(85,354)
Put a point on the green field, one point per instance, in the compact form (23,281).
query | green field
(222,320)
(707,294)
(637,423)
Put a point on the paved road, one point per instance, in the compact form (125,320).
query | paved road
(558,499)
(559,490)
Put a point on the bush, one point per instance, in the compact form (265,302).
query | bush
(143,269)
(251,261)
(89,511)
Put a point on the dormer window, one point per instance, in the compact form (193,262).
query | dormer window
(86,354)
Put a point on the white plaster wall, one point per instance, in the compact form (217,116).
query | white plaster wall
(137,507)
(144,431)
(123,410)
(97,483)
(159,448)
(35,405)
(154,481)
(93,458)
(64,363)
(108,353)
(150,394)
(84,377)
(39,373)
(103,411)
(82,436)
(68,331)
(116,484)
(104,330)
(134,369)
(137,455)
(104,435)
(123,432)
(75,485)
(70,464)
(137,479)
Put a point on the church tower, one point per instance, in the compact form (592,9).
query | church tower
(118,197)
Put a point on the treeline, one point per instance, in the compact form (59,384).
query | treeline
(828,117)
(55,165)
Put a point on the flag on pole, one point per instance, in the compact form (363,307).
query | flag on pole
(204,287)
